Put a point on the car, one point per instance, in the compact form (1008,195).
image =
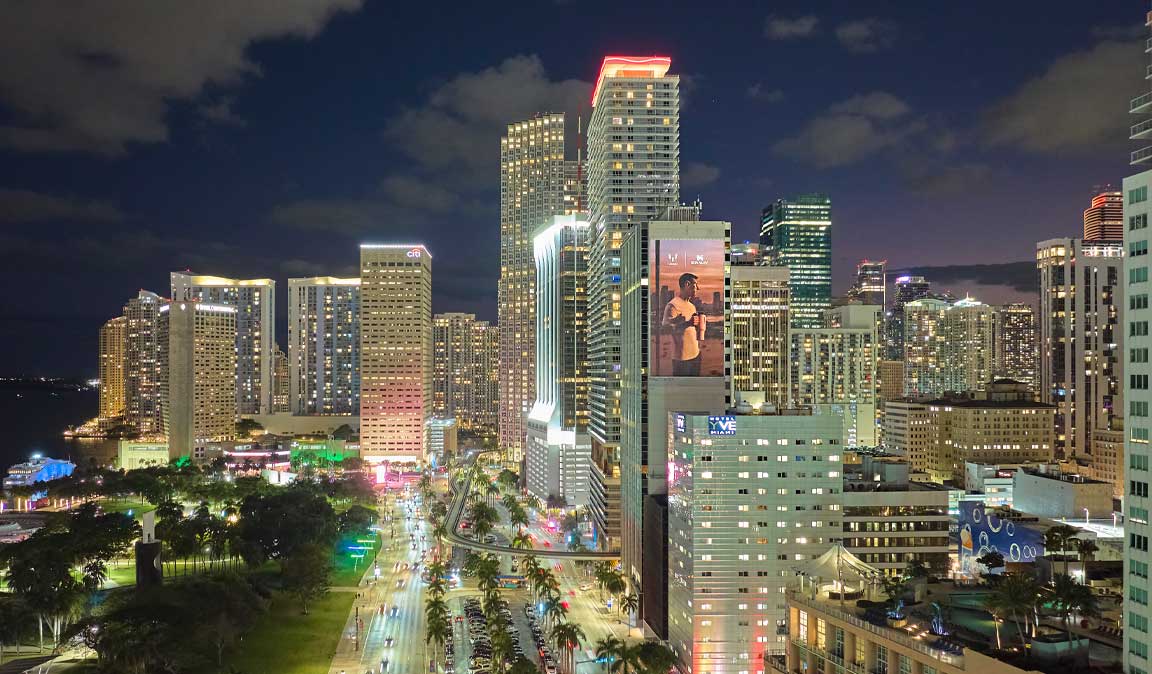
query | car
(459,618)
(383,666)
(388,642)
(585,586)
(399,583)
(395,611)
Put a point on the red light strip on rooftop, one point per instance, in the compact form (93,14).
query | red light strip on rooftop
(626,60)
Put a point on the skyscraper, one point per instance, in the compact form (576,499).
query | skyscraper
(113,342)
(759,334)
(797,233)
(905,289)
(870,286)
(949,346)
(280,384)
(1136,456)
(197,374)
(559,449)
(834,369)
(633,175)
(324,345)
(533,176)
(1080,339)
(255,302)
(1104,219)
(395,351)
(466,364)
(141,362)
(1016,354)
(673,357)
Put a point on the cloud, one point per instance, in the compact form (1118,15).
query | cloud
(1019,276)
(455,132)
(947,179)
(1077,104)
(867,35)
(851,130)
(784,28)
(25,206)
(698,174)
(221,112)
(98,76)
(759,92)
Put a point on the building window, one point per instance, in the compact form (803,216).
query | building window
(1138,195)
(1137,221)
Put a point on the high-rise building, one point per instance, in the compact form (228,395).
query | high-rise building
(465,380)
(559,449)
(141,363)
(324,345)
(1136,346)
(255,302)
(281,386)
(834,369)
(533,182)
(743,512)
(673,357)
(197,374)
(758,335)
(1080,338)
(633,171)
(1016,354)
(870,286)
(1104,219)
(949,346)
(904,290)
(797,233)
(395,351)
(113,342)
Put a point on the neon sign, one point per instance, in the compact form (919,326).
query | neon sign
(722,425)
(415,252)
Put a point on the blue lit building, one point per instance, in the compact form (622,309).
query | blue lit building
(38,469)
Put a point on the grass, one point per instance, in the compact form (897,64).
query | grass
(346,570)
(284,641)
(124,505)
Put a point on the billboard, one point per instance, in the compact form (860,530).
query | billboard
(686,307)
(721,425)
(983,530)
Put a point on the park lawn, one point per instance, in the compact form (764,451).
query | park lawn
(347,570)
(284,641)
(123,505)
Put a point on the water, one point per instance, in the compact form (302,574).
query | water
(33,420)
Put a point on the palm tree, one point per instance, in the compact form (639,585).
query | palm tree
(491,490)
(1017,595)
(610,650)
(554,610)
(518,518)
(509,501)
(440,532)
(1070,597)
(567,637)
(532,501)
(629,603)
(992,606)
(1057,538)
(654,657)
(522,541)
(1087,549)
(487,570)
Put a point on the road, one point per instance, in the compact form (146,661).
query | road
(365,649)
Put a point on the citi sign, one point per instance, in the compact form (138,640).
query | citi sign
(415,252)
(721,425)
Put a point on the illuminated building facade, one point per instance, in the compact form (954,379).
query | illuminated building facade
(1080,337)
(1104,219)
(280,384)
(797,233)
(834,368)
(533,186)
(750,496)
(904,290)
(197,375)
(870,286)
(465,380)
(255,303)
(324,345)
(633,170)
(141,362)
(949,346)
(113,341)
(395,351)
(559,449)
(1016,354)
(759,333)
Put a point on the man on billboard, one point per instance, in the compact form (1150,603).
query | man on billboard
(683,319)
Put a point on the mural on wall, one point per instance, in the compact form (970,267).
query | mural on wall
(982,530)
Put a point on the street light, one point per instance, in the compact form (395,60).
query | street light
(1085,516)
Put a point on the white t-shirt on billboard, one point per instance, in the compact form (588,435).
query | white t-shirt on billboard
(687,346)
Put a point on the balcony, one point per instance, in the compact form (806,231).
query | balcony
(1148,72)
(1141,130)
(1141,104)
(1141,156)
(1148,46)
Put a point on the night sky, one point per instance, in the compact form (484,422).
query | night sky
(258,139)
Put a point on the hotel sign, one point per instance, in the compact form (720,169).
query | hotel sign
(722,425)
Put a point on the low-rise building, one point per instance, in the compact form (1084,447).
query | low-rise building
(1047,492)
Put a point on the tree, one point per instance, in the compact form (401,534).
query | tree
(274,526)
(1087,549)
(1017,596)
(343,432)
(991,559)
(305,573)
(654,657)
(522,541)
(248,427)
(611,651)
(569,524)
(508,479)
(629,603)
(356,519)
(567,637)
(523,665)
(1070,597)
(1057,538)
(916,569)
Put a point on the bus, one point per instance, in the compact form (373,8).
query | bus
(511,582)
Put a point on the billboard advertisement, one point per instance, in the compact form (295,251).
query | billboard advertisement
(686,308)
(983,530)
